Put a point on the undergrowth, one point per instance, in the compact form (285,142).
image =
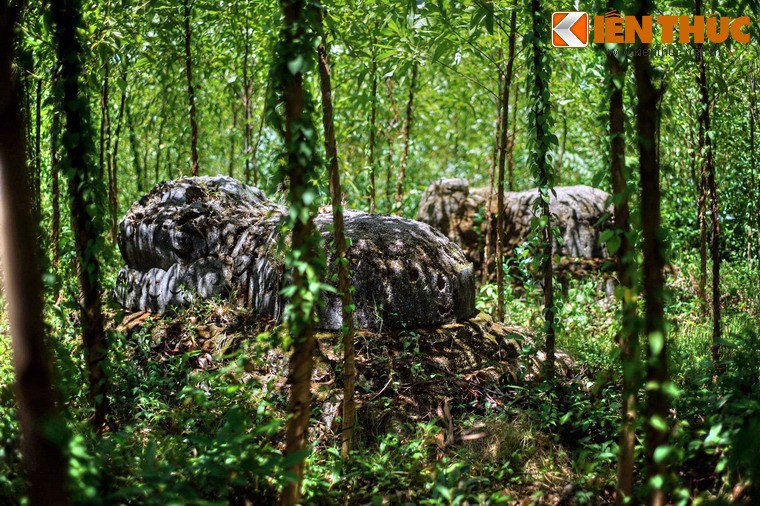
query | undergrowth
(196,427)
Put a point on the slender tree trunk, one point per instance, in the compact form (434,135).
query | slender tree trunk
(341,250)
(56,193)
(562,146)
(389,171)
(512,139)
(392,124)
(43,459)
(141,169)
(504,132)
(255,150)
(190,89)
(540,101)
(66,19)
(248,136)
(653,265)
(159,148)
(628,338)
(702,190)
(753,160)
(709,171)
(372,128)
(304,256)
(406,134)
(37,177)
(231,170)
(113,188)
(103,121)
(489,219)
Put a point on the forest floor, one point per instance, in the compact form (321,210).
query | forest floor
(198,404)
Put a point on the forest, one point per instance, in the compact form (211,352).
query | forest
(379,252)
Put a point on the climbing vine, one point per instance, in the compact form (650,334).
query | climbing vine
(542,170)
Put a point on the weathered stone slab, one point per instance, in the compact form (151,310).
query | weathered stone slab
(580,212)
(216,237)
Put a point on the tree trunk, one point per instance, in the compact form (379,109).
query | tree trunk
(113,187)
(104,122)
(37,177)
(304,257)
(540,101)
(255,150)
(190,89)
(406,134)
(702,190)
(562,146)
(653,264)
(628,337)
(158,148)
(38,415)
(231,169)
(504,132)
(489,218)
(709,171)
(392,124)
(372,128)
(55,190)
(141,169)
(83,201)
(512,139)
(344,276)
(753,160)
(247,108)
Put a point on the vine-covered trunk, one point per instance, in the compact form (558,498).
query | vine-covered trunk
(405,136)
(709,172)
(540,101)
(43,459)
(304,257)
(504,135)
(752,158)
(628,337)
(190,89)
(372,128)
(76,164)
(653,265)
(702,189)
(341,249)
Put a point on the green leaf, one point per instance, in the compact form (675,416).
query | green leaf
(656,343)
(658,423)
(295,65)
(661,453)
(613,245)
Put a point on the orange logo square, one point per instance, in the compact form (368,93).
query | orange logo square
(570,29)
